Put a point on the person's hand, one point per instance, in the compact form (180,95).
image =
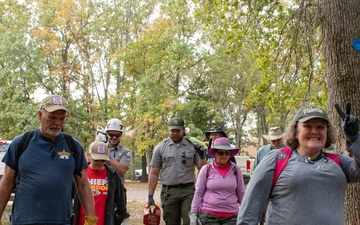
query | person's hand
(151,200)
(349,124)
(200,150)
(91,220)
(193,219)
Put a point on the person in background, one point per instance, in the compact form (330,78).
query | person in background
(311,188)
(275,138)
(46,171)
(219,188)
(106,187)
(215,133)
(174,159)
(119,155)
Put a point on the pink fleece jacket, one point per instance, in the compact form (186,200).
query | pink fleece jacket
(217,193)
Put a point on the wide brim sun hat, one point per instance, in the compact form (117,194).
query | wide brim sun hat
(215,130)
(223,144)
(274,134)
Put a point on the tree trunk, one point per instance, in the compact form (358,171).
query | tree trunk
(144,175)
(339,21)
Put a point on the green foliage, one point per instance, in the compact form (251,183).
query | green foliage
(226,63)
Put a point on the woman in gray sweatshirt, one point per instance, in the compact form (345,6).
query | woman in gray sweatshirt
(311,187)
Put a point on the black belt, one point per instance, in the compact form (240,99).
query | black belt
(178,185)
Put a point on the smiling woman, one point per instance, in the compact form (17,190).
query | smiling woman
(310,179)
(219,187)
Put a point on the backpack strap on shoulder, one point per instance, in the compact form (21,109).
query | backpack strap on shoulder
(281,162)
(208,170)
(71,144)
(24,142)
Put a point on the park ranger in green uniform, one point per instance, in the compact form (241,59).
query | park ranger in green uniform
(173,160)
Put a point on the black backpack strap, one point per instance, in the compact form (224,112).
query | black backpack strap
(24,142)
(71,144)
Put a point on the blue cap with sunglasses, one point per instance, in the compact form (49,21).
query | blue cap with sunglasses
(222,144)
(99,151)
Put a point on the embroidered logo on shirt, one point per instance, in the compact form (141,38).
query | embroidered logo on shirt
(64,154)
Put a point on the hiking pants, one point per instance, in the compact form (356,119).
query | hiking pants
(176,203)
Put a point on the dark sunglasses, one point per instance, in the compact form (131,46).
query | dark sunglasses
(183,158)
(223,153)
(114,135)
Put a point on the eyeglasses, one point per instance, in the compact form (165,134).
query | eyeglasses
(183,158)
(223,153)
(114,135)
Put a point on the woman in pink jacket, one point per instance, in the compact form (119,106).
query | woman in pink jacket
(219,188)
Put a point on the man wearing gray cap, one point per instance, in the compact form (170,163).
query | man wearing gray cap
(173,160)
(45,172)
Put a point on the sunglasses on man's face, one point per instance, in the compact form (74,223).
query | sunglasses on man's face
(114,135)
(223,153)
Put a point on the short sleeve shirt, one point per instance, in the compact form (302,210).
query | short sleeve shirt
(121,155)
(43,194)
(176,162)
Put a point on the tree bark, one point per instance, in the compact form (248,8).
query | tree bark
(340,26)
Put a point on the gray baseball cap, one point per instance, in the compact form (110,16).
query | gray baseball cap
(309,112)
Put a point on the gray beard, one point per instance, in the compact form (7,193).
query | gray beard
(52,133)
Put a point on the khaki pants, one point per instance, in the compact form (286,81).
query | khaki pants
(176,204)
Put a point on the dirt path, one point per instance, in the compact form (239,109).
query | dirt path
(137,191)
